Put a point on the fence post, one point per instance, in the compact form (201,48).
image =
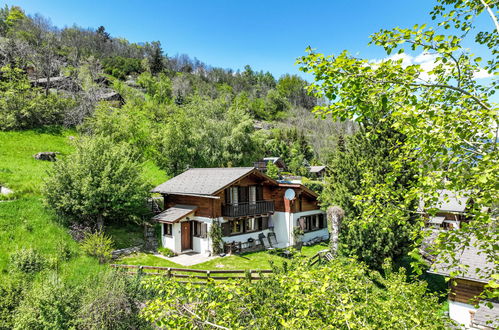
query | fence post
(169,272)
(208,275)
(250,275)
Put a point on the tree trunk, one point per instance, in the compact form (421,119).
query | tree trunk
(335,215)
(100,223)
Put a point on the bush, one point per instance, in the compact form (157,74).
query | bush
(101,182)
(111,302)
(27,260)
(51,304)
(11,293)
(98,245)
(166,252)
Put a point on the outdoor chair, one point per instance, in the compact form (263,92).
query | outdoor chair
(265,242)
(272,239)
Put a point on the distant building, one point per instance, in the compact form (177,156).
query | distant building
(464,307)
(261,165)
(317,172)
(451,210)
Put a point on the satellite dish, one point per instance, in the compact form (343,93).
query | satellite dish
(289,194)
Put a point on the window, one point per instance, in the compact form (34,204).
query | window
(237,226)
(240,226)
(199,229)
(251,224)
(167,229)
(312,222)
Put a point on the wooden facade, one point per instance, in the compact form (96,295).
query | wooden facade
(465,291)
(270,198)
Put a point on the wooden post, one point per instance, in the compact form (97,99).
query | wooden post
(169,272)
(251,275)
(207,275)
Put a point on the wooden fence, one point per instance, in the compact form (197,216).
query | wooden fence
(194,274)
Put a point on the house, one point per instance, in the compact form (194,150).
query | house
(261,165)
(464,308)
(451,210)
(249,206)
(317,172)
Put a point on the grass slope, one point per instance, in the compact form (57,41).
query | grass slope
(24,220)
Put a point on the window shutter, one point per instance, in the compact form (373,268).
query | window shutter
(265,223)
(227,196)
(226,228)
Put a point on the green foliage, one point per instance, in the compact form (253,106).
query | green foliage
(166,252)
(120,67)
(272,170)
(50,304)
(27,260)
(216,237)
(341,294)
(97,245)
(26,107)
(292,146)
(100,182)
(11,291)
(447,116)
(111,301)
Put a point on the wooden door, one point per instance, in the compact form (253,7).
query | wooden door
(186,236)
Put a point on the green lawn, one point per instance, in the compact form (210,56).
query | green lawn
(254,260)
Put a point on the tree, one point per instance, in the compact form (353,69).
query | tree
(358,167)
(446,114)
(101,182)
(156,60)
(272,170)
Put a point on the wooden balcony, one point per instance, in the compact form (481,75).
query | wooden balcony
(247,209)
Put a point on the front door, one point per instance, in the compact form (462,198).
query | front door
(186,236)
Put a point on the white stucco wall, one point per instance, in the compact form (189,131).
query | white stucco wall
(172,242)
(280,221)
(460,312)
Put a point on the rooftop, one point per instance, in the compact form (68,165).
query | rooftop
(449,201)
(471,256)
(204,181)
(175,213)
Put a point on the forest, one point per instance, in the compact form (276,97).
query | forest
(123,117)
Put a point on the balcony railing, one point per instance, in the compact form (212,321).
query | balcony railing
(245,209)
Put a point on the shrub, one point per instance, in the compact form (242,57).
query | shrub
(27,260)
(11,293)
(166,252)
(64,251)
(98,245)
(51,304)
(101,182)
(112,303)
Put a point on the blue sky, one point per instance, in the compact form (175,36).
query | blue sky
(268,35)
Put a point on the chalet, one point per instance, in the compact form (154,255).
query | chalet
(451,210)
(249,206)
(464,306)
(261,165)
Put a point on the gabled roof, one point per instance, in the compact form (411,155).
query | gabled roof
(470,256)
(448,201)
(175,213)
(206,182)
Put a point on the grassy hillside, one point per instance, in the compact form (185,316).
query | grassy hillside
(24,220)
